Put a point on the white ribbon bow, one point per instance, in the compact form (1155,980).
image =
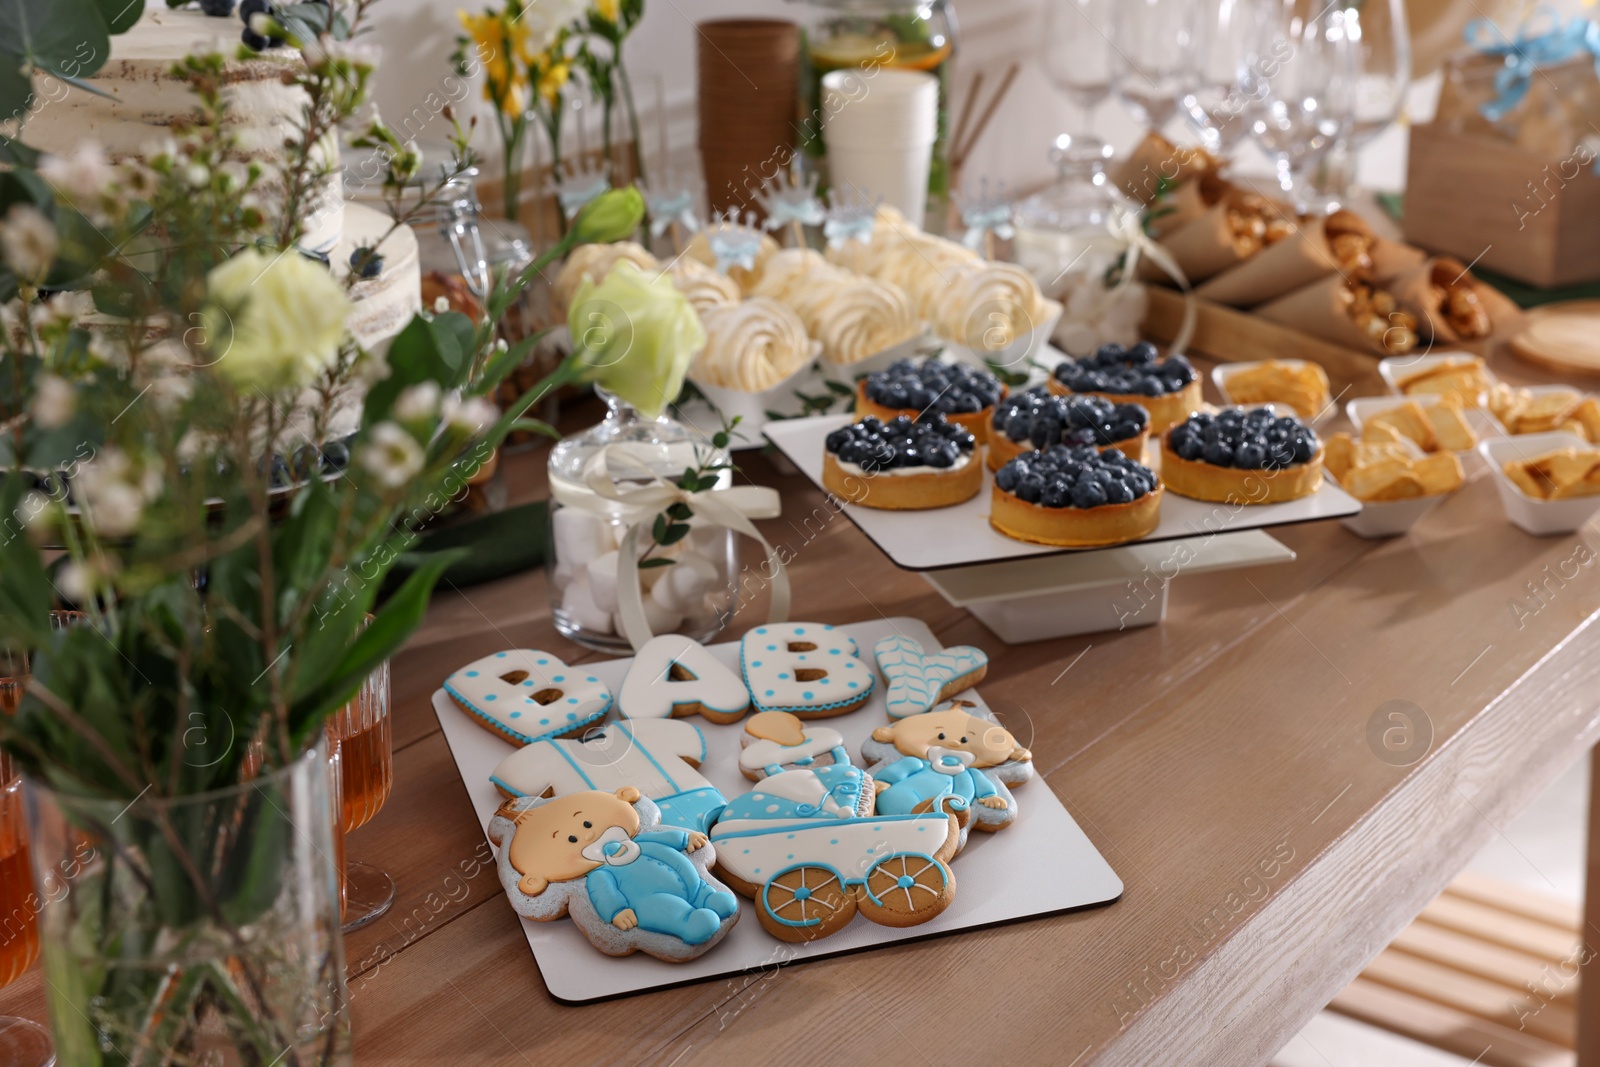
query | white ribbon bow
(647,494)
(1126,225)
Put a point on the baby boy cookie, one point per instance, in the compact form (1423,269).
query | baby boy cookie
(776,741)
(918,680)
(659,757)
(804,668)
(629,885)
(674,675)
(525,695)
(807,850)
(948,752)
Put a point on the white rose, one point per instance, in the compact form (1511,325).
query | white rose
(274,322)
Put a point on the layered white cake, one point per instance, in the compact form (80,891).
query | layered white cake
(143,100)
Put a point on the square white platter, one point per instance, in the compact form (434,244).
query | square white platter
(1042,864)
(962,536)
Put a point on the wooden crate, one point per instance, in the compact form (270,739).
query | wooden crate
(1530,218)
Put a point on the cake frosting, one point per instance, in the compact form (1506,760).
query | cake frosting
(705,287)
(854,316)
(384,304)
(143,100)
(699,249)
(751,346)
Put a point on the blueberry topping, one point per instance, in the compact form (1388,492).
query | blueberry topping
(1135,371)
(367,261)
(929,441)
(1080,477)
(932,386)
(217,8)
(1040,418)
(1249,439)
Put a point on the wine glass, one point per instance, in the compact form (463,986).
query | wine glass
(1151,52)
(1303,84)
(361,751)
(1218,80)
(1381,41)
(1078,57)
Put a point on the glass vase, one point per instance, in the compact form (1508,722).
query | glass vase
(200,930)
(695,594)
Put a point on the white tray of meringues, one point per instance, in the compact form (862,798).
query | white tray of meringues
(1040,864)
(961,536)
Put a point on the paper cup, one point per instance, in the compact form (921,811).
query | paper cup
(898,175)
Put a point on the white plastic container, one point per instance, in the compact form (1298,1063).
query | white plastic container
(1362,409)
(880,126)
(1222,372)
(1396,369)
(1538,517)
(1392,518)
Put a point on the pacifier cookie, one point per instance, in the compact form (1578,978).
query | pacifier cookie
(659,757)
(920,761)
(776,741)
(674,675)
(629,884)
(526,695)
(918,680)
(805,668)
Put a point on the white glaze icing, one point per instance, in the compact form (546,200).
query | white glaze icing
(648,692)
(511,707)
(917,679)
(655,756)
(760,753)
(770,665)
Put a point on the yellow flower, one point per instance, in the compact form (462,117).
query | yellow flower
(553,79)
(501,42)
(607,9)
(635,335)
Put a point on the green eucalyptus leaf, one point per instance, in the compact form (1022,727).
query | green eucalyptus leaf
(675,533)
(655,561)
(120,15)
(62,37)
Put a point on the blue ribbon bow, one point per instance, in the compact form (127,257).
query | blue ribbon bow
(1542,41)
(670,208)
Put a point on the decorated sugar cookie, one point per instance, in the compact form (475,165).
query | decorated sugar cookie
(805,668)
(629,884)
(804,846)
(674,675)
(525,695)
(656,756)
(776,741)
(918,680)
(921,759)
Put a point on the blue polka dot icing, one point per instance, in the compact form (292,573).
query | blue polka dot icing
(804,667)
(470,674)
(498,690)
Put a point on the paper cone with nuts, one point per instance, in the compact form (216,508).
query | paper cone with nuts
(1340,243)
(1229,232)
(1347,313)
(1451,305)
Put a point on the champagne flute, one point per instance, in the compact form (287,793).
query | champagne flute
(1152,50)
(1381,43)
(1218,81)
(361,751)
(1303,84)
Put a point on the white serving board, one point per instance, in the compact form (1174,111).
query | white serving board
(963,536)
(1042,864)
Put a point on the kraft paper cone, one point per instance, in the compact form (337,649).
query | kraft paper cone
(1203,246)
(1390,258)
(1293,262)
(1416,293)
(1155,158)
(1319,310)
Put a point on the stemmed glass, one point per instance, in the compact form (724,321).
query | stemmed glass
(1151,53)
(1219,82)
(1381,42)
(361,750)
(1078,57)
(1304,88)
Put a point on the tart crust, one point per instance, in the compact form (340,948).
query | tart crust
(1165,410)
(904,492)
(1199,480)
(974,422)
(1003,450)
(1108,524)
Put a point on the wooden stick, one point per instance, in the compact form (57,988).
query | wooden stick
(966,112)
(988,113)
(798,232)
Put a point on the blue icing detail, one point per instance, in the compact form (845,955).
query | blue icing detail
(559,678)
(572,700)
(757,663)
(769,692)
(521,738)
(799,630)
(544,722)
(516,714)
(808,695)
(470,674)
(843,784)
(503,655)
(572,716)
(544,663)
(915,677)
(491,696)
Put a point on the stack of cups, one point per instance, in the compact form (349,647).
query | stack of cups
(748,81)
(879,125)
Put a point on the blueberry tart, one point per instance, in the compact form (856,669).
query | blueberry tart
(903,464)
(1039,418)
(1240,455)
(963,394)
(1077,497)
(1167,388)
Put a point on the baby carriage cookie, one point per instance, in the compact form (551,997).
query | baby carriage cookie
(775,741)
(805,846)
(601,858)
(948,752)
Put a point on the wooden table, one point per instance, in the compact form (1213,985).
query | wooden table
(1230,764)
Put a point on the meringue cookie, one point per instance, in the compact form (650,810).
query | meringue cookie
(751,346)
